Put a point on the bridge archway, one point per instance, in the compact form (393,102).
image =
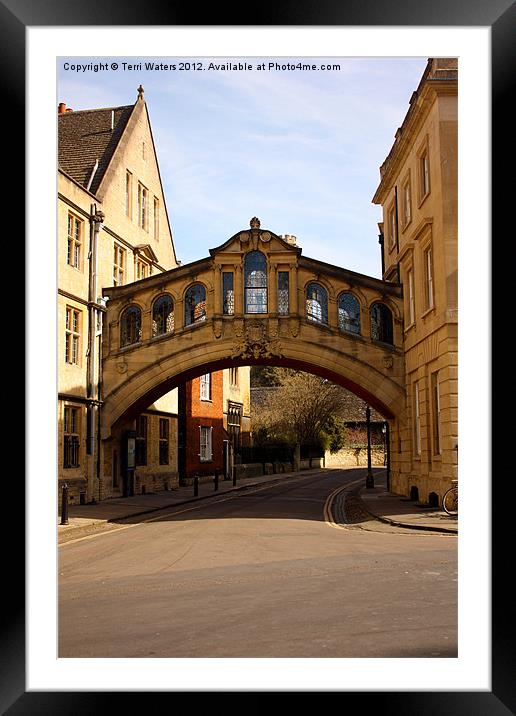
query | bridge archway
(226,331)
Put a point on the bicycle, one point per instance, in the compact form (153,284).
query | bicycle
(451,499)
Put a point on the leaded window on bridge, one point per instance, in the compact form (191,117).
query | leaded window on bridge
(195,304)
(228,293)
(283,307)
(316,303)
(255,277)
(130,326)
(349,313)
(381,323)
(162,316)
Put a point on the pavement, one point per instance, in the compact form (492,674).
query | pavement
(378,502)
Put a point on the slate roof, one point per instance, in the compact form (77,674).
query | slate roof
(85,136)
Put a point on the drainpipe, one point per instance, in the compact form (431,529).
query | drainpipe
(93,359)
(397,230)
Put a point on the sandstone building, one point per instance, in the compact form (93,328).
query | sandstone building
(113,230)
(418,195)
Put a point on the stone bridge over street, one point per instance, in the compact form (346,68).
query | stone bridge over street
(254,299)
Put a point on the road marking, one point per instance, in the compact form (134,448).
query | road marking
(327,509)
(232,496)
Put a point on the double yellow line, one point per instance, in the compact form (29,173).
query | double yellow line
(327,509)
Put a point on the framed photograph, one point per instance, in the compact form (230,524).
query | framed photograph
(49,49)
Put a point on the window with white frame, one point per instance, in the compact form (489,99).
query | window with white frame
(205,443)
(417,420)
(128,193)
(118,265)
(72,335)
(74,249)
(205,383)
(407,203)
(143,207)
(410,296)
(436,413)
(429,278)
(156,218)
(391,224)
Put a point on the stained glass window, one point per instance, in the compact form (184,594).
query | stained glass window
(131,326)
(316,303)
(381,323)
(283,307)
(255,276)
(195,304)
(162,316)
(228,293)
(349,313)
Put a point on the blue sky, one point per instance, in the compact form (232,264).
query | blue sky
(299,149)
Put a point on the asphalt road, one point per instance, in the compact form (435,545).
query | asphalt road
(259,573)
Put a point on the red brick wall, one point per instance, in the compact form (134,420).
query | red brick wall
(209,414)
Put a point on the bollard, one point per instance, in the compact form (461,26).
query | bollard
(196,485)
(234,476)
(64,505)
(216,486)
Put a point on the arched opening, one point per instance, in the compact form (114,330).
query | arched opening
(195,304)
(349,313)
(255,282)
(130,326)
(381,323)
(162,315)
(317,303)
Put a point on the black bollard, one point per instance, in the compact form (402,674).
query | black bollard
(64,505)
(196,486)
(216,486)
(234,476)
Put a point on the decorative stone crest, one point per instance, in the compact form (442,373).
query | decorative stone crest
(294,327)
(254,223)
(122,367)
(387,361)
(254,341)
(217,327)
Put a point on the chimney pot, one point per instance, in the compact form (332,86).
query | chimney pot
(61,108)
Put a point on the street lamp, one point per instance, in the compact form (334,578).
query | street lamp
(369,483)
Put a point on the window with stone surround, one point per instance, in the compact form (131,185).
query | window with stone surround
(205,386)
(143,207)
(141,440)
(255,282)
(381,323)
(316,303)
(228,293)
(411,312)
(195,304)
(130,326)
(349,313)
(429,278)
(164,430)
(72,335)
(119,260)
(128,193)
(75,239)
(406,202)
(162,315)
(141,269)
(283,291)
(205,436)
(71,436)
(391,227)
(436,413)
(417,420)
(423,160)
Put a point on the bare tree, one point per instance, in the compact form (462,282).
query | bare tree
(299,409)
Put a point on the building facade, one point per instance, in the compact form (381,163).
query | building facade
(113,229)
(418,235)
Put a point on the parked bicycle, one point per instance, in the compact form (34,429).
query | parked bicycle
(451,499)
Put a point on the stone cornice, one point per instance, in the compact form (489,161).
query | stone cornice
(420,104)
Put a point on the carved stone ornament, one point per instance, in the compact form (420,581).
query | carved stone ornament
(265,236)
(254,223)
(244,236)
(256,343)
(387,361)
(122,367)
(217,327)
(294,327)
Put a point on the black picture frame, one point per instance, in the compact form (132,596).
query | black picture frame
(500,16)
